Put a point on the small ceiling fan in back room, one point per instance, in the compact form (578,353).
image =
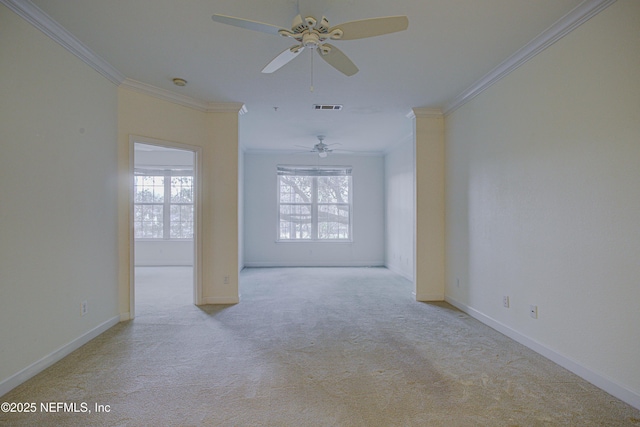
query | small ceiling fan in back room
(313,32)
(320,147)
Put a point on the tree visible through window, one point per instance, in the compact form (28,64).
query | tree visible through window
(163,204)
(314,203)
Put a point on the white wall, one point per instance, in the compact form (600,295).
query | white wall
(58,218)
(260,214)
(158,157)
(400,209)
(164,252)
(543,179)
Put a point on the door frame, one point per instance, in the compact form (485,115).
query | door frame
(197,236)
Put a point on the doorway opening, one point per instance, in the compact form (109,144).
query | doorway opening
(164,213)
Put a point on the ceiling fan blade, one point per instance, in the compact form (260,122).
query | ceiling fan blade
(247,24)
(282,59)
(338,60)
(372,27)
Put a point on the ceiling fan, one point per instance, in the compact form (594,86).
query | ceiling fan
(312,33)
(321,148)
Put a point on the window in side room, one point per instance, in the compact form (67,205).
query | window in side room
(163,204)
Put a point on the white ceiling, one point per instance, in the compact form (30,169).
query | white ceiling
(449,46)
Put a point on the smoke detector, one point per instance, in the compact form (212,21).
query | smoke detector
(179,82)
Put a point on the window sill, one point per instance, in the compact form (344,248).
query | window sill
(314,241)
(147,239)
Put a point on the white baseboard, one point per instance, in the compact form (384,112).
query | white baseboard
(392,268)
(270,264)
(125,316)
(35,368)
(220,300)
(599,380)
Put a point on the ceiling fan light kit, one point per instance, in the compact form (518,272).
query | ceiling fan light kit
(313,34)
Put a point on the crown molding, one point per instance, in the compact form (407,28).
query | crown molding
(227,107)
(424,112)
(167,95)
(39,19)
(572,20)
(289,152)
(407,138)
(185,101)
(36,17)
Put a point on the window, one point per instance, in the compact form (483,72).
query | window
(314,203)
(163,204)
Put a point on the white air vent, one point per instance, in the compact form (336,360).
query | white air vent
(327,107)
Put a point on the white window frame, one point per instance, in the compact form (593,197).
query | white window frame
(166,204)
(315,172)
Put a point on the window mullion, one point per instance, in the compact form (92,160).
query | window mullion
(314,208)
(166,208)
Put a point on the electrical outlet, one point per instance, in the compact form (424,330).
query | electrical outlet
(226,280)
(84,308)
(457,282)
(505,301)
(533,311)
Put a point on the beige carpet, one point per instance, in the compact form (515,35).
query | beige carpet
(310,347)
